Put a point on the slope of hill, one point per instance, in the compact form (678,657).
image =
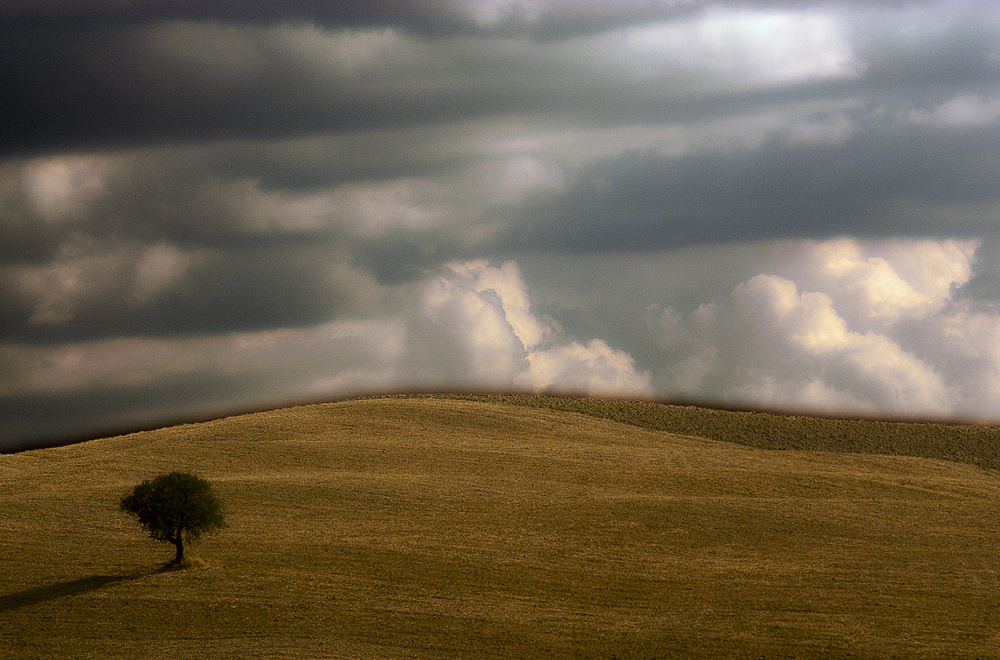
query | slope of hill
(976,445)
(440,527)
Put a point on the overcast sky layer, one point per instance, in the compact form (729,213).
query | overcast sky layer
(212,207)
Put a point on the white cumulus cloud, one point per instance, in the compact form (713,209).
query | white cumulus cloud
(891,280)
(851,328)
(593,368)
(476,325)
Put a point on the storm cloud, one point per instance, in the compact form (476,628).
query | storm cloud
(220,206)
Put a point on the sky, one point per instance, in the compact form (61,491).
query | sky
(211,207)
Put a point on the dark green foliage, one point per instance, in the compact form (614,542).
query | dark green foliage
(175,507)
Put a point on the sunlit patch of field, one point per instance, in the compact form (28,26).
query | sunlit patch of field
(440,527)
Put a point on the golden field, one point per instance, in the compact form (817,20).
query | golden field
(521,527)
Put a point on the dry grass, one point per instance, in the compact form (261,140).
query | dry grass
(436,527)
(189,563)
(975,445)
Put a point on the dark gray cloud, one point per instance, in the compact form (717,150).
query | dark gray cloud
(429,18)
(211,206)
(91,75)
(119,86)
(648,202)
(232,291)
(39,420)
(39,13)
(927,47)
(111,82)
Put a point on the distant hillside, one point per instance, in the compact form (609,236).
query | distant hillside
(965,444)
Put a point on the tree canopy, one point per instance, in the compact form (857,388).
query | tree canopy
(175,507)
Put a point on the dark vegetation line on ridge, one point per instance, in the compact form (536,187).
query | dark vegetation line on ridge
(973,445)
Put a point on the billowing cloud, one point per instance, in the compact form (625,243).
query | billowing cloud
(471,327)
(883,334)
(879,283)
(591,369)
(480,320)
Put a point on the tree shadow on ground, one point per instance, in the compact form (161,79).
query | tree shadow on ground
(37,595)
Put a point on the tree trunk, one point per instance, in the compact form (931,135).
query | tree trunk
(179,542)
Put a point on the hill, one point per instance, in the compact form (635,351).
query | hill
(441,527)
(976,445)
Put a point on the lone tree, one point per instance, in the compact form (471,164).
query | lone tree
(174,507)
